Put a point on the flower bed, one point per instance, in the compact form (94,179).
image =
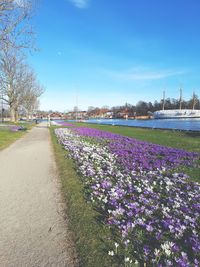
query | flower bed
(137,155)
(16,128)
(154,214)
(13,128)
(64,123)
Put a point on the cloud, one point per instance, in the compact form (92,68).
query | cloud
(80,3)
(138,74)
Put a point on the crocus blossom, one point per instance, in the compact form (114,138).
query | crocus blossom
(154,211)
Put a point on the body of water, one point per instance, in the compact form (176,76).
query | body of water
(177,124)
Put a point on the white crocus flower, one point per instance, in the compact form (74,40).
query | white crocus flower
(111,253)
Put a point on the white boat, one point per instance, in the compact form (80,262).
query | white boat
(176,114)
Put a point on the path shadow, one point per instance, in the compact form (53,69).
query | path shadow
(193,134)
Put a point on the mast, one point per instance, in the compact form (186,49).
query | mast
(76,106)
(163,102)
(194,101)
(180,105)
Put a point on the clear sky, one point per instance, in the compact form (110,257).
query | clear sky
(109,52)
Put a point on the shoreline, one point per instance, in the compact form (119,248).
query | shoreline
(145,127)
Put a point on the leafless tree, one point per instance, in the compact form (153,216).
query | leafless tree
(18,83)
(10,69)
(15,28)
(30,93)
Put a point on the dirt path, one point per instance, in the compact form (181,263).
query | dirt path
(32,226)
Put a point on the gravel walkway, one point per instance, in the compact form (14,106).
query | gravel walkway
(33,230)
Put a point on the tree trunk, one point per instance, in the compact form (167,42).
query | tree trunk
(12,114)
(16,115)
(27,116)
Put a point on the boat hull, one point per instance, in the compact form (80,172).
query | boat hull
(176,114)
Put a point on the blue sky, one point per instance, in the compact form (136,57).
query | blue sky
(109,52)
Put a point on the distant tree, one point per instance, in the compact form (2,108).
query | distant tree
(150,107)
(175,103)
(184,104)
(142,108)
(90,110)
(106,107)
(168,104)
(193,102)
(129,109)
(157,105)
(115,110)
(94,111)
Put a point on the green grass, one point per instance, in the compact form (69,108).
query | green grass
(7,137)
(91,237)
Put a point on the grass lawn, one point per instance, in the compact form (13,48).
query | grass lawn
(7,137)
(89,234)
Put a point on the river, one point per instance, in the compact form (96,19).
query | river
(176,124)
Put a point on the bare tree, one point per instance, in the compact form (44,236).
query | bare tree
(10,72)
(18,83)
(30,93)
(14,15)
(15,35)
